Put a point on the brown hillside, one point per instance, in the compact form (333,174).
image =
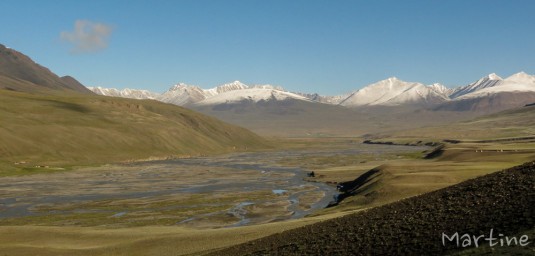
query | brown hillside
(15,66)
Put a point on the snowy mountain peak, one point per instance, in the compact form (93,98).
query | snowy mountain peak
(488,81)
(440,89)
(181,86)
(387,83)
(437,85)
(521,78)
(391,81)
(493,76)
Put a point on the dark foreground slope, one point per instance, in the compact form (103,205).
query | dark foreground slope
(502,201)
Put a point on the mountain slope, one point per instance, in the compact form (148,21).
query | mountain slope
(485,82)
(51,129)
(17,66)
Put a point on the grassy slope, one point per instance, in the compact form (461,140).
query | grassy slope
(152,240)
(74,129)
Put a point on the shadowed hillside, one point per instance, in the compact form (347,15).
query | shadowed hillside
(19,72)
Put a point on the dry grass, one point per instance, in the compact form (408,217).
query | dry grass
(75,129)
(26,240)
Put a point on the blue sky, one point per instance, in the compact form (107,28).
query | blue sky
(330,47)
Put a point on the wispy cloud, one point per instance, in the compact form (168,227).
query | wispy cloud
(88,36)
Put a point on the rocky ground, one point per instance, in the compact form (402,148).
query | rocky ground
(503,201)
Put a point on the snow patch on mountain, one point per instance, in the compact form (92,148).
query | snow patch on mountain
(236,85)
(268,86)
(333,100)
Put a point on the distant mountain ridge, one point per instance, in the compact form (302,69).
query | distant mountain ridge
(183,94)
(498,94)
(125,93)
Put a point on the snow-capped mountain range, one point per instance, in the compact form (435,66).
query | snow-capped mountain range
(252,95)
(388,92)
(183,94)
(125,93)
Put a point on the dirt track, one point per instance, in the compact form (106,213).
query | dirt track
(502,201)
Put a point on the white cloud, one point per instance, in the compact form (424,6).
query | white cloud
(88,36)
